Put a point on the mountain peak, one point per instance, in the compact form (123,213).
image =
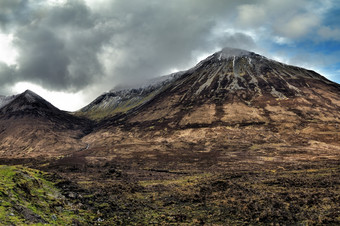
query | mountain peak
(29,92)
(25,103)
(31,96)
(228,52)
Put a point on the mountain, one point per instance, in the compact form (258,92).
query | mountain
(236,86)
(233,100)
(31,126)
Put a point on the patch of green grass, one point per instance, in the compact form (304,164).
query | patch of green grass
(26,197)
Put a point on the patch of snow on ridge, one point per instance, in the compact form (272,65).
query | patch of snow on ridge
(149,84)
(133,93)
(4,100)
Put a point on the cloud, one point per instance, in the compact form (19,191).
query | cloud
(69,46)
(7,77)
(251,15)
(58,48)
(149,39)
(328,33)
(235,39)
(288,19)
(298,25)
(12,12)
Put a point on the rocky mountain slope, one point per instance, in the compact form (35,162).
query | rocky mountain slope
(121,101)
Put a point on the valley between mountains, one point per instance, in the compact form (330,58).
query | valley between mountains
(238,139)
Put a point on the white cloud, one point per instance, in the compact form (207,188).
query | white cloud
(282,40)
(290,19)
(298,25)
(251,15)
(8,53)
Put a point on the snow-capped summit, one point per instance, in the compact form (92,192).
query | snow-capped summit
(227,52)
(31,96)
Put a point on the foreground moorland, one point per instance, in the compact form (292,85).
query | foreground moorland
(307,194)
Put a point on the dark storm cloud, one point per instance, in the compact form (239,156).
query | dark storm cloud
(7,73)
(155,37)
(13,12)
(239,40)
(7,77)
(71,46)
(58,48)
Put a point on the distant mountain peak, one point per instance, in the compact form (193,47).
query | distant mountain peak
(27,102)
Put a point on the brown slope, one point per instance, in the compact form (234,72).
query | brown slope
(31,127)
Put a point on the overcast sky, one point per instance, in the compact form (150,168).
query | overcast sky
(71,51)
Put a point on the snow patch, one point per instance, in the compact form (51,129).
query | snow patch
(206,84)
(4,100)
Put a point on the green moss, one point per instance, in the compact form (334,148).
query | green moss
(27,197)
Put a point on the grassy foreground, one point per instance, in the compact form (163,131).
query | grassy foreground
(27,197)
(296,196)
